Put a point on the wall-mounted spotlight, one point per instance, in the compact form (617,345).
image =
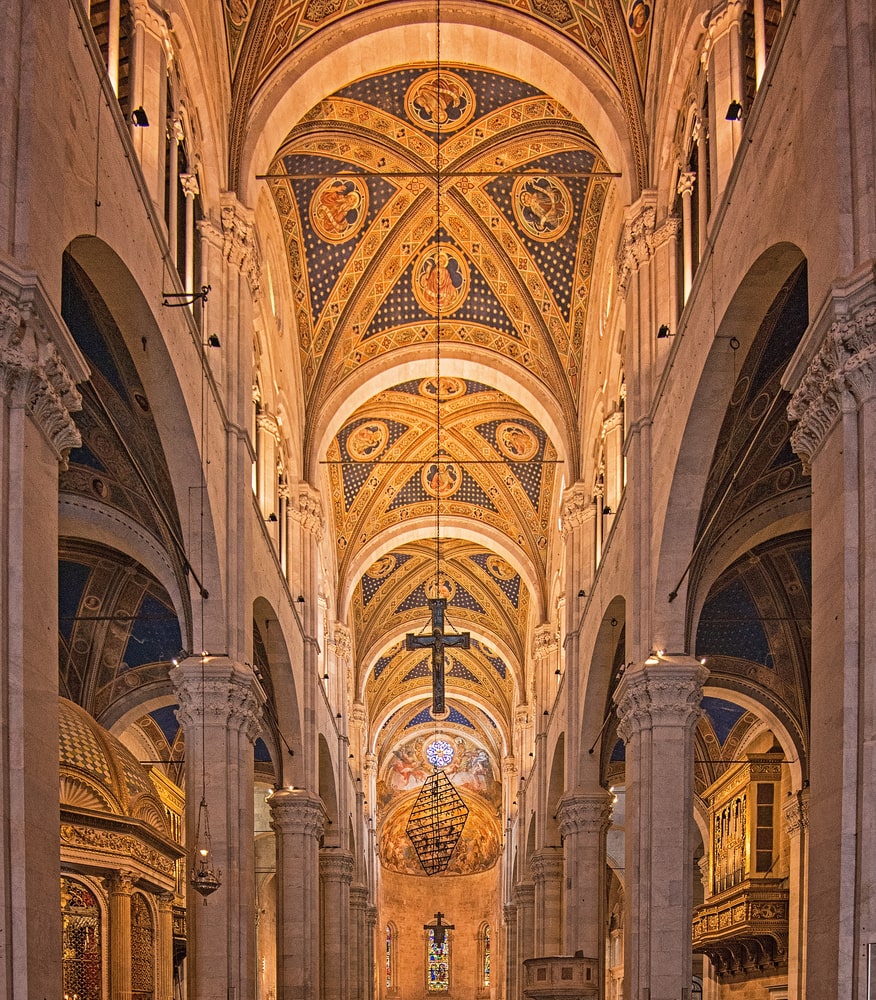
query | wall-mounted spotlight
(582,592)
(607,510)
(213,341)
(734,112)
(139,117)
(272,517)
(299,599)
(663,332)
(557,672)
(325,677)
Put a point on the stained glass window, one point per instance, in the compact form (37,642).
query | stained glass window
(438,978)
(80,917)
(485,957)
(439,753)
(389,956)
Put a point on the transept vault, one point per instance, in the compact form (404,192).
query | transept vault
(358,356)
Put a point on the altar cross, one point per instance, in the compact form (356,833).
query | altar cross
(438,929)
(438,640)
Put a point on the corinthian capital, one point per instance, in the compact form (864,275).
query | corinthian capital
(239,244)
(635,246)
(577,509)
(665,693)
(33,372)
(305,508)
(216,689)
(586,813)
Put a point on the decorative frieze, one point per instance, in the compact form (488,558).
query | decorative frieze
(32,372)
(110,844)
(845,363)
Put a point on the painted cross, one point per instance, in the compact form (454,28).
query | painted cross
(439,930)
(438,640)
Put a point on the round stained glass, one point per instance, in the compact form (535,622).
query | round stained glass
(439,753)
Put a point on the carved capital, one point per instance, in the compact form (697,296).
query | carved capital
(239,244)
(305,508)
(635,245)
(296,811)
(844,363)
(267,423)
(524,894)
(666,693)
(796,813)
(165,902)
(545,641)
(585,813)
(189,184)
(32,372)
(121,883)
(359,898)
(336,866)
(578,509)
(215,690)
(686,183)
(343,642)
(509,914)
(547,864)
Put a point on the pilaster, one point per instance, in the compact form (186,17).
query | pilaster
(335,876)
(120,888)
(658,705)
(298,819)
(360,942)
(796,817)
(509,914)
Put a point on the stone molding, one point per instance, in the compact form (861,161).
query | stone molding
(844,363)
(336,866)
(548,864)
(577,509)
(296,811)
(267,422)
(585,813)
(305,508)
(614,420)
(216,690)
(524,894)
(102,846)
(545,641)
(796,813)
(33,374)
(724,16)
(509,914)
(664,694)
(238,239)
(359,897)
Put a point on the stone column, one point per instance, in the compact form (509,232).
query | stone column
(584,819)
(834,405)
(120,887)
(176,134)
(524,898)
(335,876)
(164,943)
(39,365)
(613,439)
(190,188)
(370,923)
(796,815)
(509,912)
(658,705)
(220,708)
(726,84)
(297,818)
(360,943)
(685,189)
(701,138)
(547,875)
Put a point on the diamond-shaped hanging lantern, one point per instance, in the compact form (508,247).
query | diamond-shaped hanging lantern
(436,821)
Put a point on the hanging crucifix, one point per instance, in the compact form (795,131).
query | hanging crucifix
(439,930)
(438,640)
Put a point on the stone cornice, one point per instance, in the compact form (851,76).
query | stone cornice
(39,362)
(843,365)
(666,693)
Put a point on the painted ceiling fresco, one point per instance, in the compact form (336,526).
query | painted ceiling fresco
(506,250)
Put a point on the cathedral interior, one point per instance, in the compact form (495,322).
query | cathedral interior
(437,550)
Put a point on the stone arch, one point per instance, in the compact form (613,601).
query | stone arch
(601,680)
(328,793)
(708,405)
(556,786)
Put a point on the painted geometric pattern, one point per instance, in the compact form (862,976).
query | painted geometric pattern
(479,429)
(296,20)
(525,247)
(80,748)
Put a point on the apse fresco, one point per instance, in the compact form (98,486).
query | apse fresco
(470,769)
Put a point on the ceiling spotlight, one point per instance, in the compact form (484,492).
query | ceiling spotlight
(663,332)
(734,112)
(213,340)
(139,117)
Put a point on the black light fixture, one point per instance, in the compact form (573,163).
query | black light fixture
(213,341)
(190,297)
(139,117)
(607,510)
(734,112)
(272,517)
(582,592)
(663,332)
(300,599)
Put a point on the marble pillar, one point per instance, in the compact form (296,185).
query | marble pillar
(120,888)
(509,913)
(658,705)
(524,899)
(298,819)
(220,707)
(584,819)
(39,366)
(360,944)
(796,817)
(164,947)
(335,877)
(547,877)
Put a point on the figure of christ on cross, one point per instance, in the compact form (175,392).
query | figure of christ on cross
(438,640)
(440,930)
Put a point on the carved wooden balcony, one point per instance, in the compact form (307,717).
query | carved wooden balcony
(744,928)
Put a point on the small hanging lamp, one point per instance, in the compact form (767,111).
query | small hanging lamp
(205,879)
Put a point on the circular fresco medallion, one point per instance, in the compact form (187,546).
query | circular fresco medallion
(441,479)
(381,569)
(443,587)
(338,208)
(542,206)
(516,441)
(367,441)
(440,280)
(439,753)
(446,387)
(500,569)
(439,100)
